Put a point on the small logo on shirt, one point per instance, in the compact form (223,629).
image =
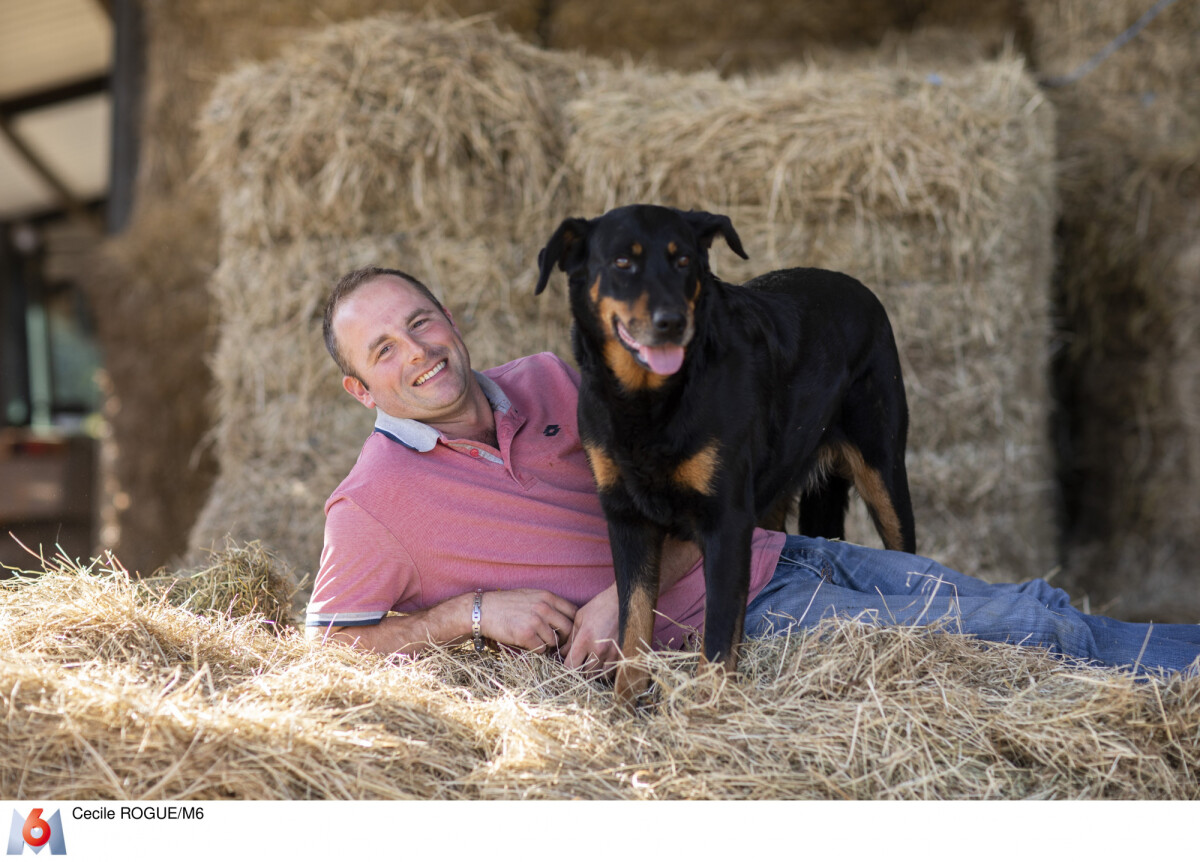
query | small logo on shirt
(551,430)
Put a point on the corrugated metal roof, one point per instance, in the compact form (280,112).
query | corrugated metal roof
(44,45)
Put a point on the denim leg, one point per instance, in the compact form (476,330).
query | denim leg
(817,578)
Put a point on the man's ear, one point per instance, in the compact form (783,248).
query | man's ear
(706,226)
(358,391)
(566,249)
(450,317)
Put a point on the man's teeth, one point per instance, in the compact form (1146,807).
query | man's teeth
(430,373)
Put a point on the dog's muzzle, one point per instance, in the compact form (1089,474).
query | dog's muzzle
(664,359)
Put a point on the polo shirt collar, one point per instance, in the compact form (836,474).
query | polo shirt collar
(421,437)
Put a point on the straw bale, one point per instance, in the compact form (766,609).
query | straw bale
(141,700)
(121,695)
(937,193)
(1135,543)
(1069,32)
(763,34)
(1129,135)
(239,581)
(190,45)
(391,122)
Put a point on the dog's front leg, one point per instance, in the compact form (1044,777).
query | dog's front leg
(637,553)
(727,583)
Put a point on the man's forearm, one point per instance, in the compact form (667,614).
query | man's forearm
(444,624)
(526,618)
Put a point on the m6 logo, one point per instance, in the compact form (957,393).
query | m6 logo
(36,833)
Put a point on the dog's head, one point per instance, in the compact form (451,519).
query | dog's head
(636,276)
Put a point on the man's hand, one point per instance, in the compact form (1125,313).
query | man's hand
(593,641)
(535,620)
(593,644)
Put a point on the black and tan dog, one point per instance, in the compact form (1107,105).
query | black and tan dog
(706,407)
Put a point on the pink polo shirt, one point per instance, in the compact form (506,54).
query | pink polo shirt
(421,518)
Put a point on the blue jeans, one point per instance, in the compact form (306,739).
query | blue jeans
(818,578)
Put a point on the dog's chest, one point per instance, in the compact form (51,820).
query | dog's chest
(671,472)
(664,484)
(648,458)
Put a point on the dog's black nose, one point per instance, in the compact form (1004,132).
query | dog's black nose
(668,324)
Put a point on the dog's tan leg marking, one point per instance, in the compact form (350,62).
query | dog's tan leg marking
(699,471)
(875,494)
(604,468)
(633,680)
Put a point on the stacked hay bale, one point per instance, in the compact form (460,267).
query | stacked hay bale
(762,34)
(1129,133)
(937,192)
(442,147)
(154,315)
(430,145)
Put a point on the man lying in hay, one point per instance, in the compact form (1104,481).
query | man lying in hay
(472,513)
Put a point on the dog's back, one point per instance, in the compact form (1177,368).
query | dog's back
(837,395)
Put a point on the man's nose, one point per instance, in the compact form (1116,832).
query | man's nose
(417,349)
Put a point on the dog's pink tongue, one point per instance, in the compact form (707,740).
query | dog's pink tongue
(663,360)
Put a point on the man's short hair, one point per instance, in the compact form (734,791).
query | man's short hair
(346,285)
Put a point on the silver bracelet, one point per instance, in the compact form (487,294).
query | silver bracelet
(476,631)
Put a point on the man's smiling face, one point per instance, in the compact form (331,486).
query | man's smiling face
(409,356)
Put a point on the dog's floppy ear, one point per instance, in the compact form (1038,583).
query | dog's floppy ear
(707,225)
(565,248)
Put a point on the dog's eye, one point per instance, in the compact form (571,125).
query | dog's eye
(682,261)
(622,263)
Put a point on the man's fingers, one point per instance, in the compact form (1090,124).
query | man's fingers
(564,607)
(550,637)
(586,654)
(555,630)
(575,650)
(548,629)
